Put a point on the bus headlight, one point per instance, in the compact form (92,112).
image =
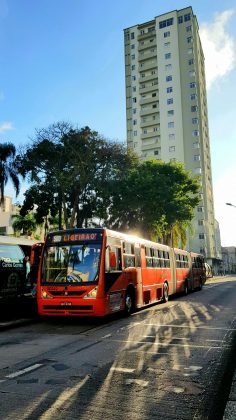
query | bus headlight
(92,294)
(45,295)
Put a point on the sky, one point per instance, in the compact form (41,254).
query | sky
(63,60)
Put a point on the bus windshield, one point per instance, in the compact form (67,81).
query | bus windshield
(71,264)
(11,254)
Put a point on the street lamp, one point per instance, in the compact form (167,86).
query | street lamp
(230,204)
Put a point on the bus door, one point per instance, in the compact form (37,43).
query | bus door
(173,271)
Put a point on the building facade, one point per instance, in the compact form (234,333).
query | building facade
(166,106)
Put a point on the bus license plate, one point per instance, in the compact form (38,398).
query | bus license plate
(66,303)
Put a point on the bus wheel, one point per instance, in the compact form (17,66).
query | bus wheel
(186,288)
(200,284)
(165,293)
(129,303)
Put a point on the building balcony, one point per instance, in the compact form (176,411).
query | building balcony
(146,35)
(148,88)
(151,134)
(149,111)
(150,123)
(145,79)
(150,100)
(147,55)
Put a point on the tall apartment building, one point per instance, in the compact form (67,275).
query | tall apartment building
(166,105)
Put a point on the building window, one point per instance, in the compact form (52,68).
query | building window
(134,122)
(171,124)
(198,171)
(170,101)
(134,99)
(201,236)
(156,152)
(154,105)
(168,66)
(134,88)
(153,72)
(133,67)
(134,110)
(196,145)
(132,35)
(189,39)
(132,46)
(189,28)
(180,19)
(167,22)
(194,120)
(167,56)
(190,50)
(200,222)
(166,34)
(155,129)
(191,73)
(154,94)
(133,56)
(200,209)
(196,158)
(133,77)
(169,89)
(191,61)
(195,133)
(142,74)
(170,112)
(192,84)
(172,149)
(144,131)
(151,29)
(135,132)
(187,17)
(167,44)
(168,78)
(194,108)
(171,136)
(193,96)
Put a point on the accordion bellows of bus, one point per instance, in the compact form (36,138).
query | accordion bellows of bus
(95,272)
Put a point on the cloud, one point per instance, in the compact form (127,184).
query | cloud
(224,192)
(218,47)
(6,126)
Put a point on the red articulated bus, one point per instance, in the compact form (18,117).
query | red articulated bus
(95,272)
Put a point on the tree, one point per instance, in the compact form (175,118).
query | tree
(25,225)
(154,198)
(68,169)
(8,169)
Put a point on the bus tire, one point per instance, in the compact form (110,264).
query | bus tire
(165,293)
(186,288)
(200,284)
(129,302)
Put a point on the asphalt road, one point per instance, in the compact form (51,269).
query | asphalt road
(169,361)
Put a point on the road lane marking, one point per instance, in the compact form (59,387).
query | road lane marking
(123,370)
(21,372)
(190,326)
(139,382)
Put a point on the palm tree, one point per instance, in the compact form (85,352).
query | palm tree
(8,169)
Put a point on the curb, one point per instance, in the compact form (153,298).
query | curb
(7,325)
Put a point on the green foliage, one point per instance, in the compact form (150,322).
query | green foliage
(153,198)
(8,168)
(24,224)
(67,168)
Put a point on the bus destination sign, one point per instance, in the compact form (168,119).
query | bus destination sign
(72,237)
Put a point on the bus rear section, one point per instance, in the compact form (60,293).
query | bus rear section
(12,270)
